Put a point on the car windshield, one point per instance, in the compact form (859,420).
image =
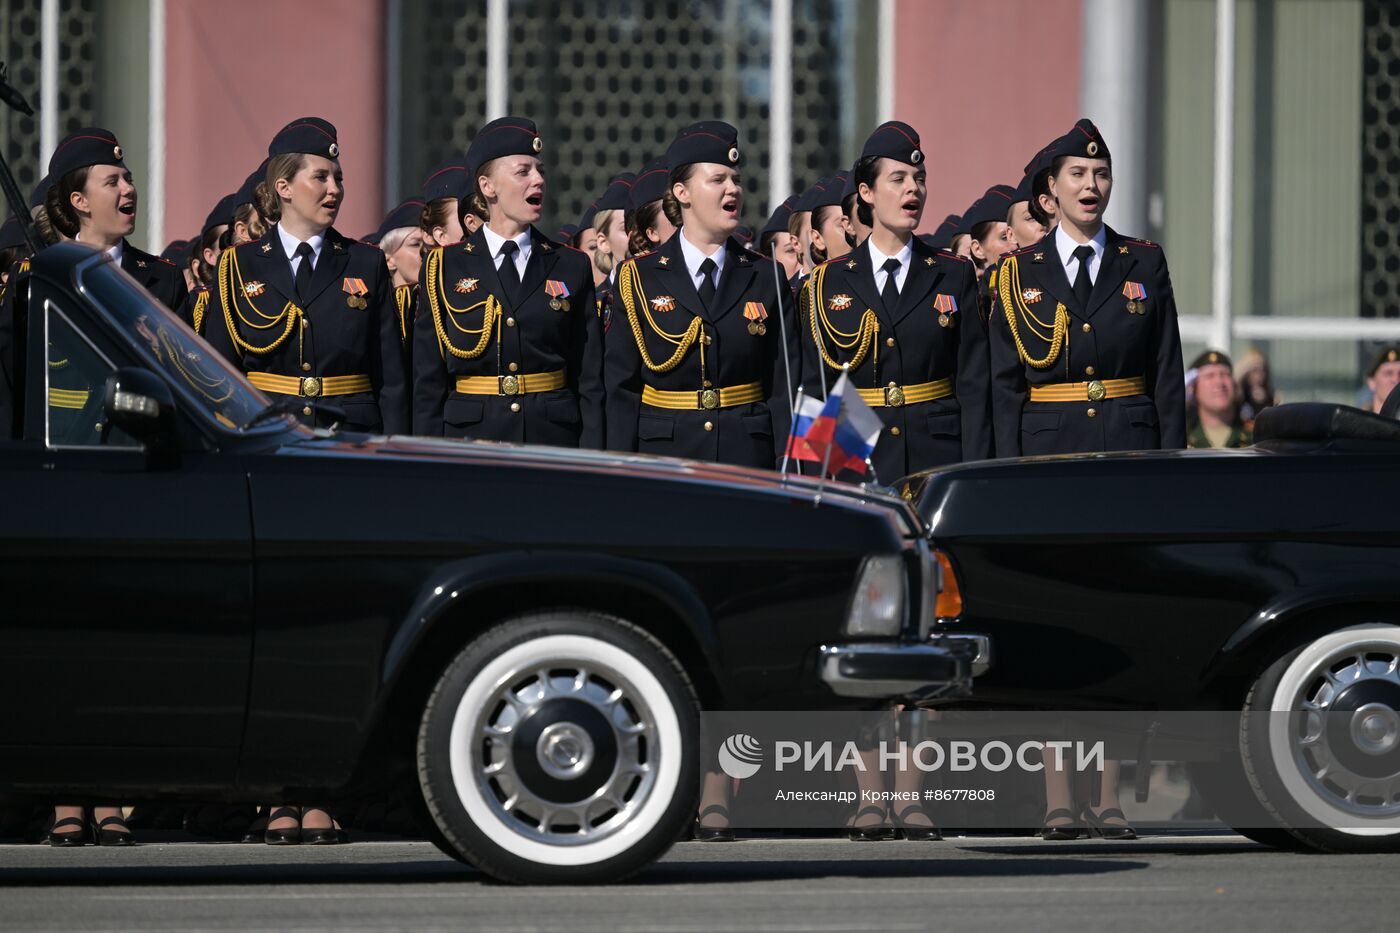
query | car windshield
(190,362)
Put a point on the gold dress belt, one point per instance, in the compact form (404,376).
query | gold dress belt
(1095,391)
(523,384)
(311,386)
(893,396)
(704,399)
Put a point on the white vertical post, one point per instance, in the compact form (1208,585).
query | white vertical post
(154,187)
(885,57)
(393,87)
(1222,220)
(497,58)
(48,81)
(780,106)
(1114,94)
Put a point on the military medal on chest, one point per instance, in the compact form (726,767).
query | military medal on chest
(756,315)
(465,286)
(355,291)
(1137,297)
(840,302)
(253,289)
(558,294)
(663,303)
(946,306)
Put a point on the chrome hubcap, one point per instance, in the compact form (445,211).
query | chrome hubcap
(568,752)
(1347,733)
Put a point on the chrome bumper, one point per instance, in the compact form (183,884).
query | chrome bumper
(980,647)
(884,670)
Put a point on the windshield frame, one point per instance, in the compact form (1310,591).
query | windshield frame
(113,319)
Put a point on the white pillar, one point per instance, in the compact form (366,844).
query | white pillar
(780,106)
(48,82)
(1117,43)
(153,188)
(1222,219)
(497,58)
(885,56)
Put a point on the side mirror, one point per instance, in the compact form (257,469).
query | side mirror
(140,404)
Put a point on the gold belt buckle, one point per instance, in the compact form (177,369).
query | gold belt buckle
(310,386)
(1096,391)
(510,385)
(894,396)
(709,399)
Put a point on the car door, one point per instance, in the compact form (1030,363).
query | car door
(126,634)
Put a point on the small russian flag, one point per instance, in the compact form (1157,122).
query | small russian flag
(840,433)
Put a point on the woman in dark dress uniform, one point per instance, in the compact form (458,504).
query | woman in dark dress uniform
(400,239)
(903,317)
(695,363)
(509,342)
(304,311)
(1085,351)
(93,201)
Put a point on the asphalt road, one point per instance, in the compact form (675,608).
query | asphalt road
(808,886)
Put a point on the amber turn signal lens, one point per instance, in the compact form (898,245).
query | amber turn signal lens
(948,605)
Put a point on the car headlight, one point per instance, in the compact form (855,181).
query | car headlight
(881,597)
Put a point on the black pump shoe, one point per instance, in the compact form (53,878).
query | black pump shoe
(70,838)
(329,836)
(912,831)
(1063,832)
(713,833)
(1097,825)
(283,837)
(877,833)
(114,837)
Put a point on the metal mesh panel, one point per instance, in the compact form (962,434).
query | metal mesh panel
(77,75)
(610,81)
(1380,161)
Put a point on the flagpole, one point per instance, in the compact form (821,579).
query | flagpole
(782,331)
(826,454)
(787,450)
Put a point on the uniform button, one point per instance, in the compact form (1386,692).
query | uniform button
(1091,413)
(306,410)
(706,339)
(510,322)
(1087,327)
(514,406)
(1088,370)
(889,341)
(306,367)
(709,425)
(894,432)
(305,323)
(514,366)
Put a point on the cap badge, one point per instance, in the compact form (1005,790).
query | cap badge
(840,302)
(1030,295)
(117,151)
(334,150)
(1092,148)
(465,286)
(734,154)
(664,303)
(537,144)
(1392,356)
(916,157)
(253,289)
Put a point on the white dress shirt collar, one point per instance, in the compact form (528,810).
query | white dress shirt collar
(290,244)
(694,256)
(878,260)
(494,242)
(1066,246)
(116,251)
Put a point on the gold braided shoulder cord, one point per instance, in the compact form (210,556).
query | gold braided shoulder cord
(861,338)
(201,304)
(403,295)
(229,292)
(437,303)
(629,284)
(1013,306)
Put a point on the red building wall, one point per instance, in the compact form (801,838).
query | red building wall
(986,83)
(238,72)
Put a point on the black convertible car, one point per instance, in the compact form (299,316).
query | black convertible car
(1264,582)
(209,601)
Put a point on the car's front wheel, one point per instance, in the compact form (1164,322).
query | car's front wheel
(1320,738)
(561,746)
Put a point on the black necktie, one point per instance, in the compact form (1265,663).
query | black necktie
(303,279)
(1082,286)
(707,283)
(510,278)
(890,293)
